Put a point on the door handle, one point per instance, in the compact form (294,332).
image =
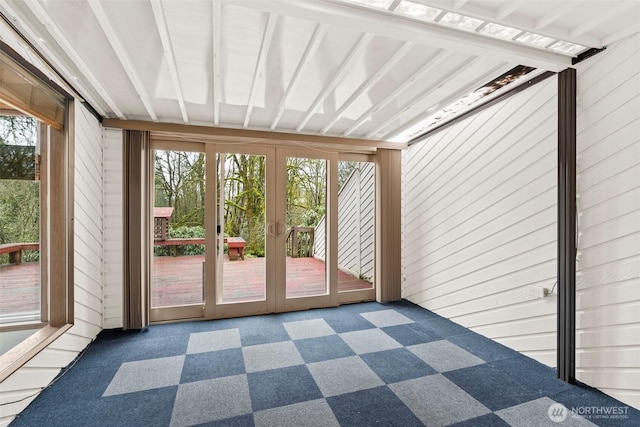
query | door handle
(275,229)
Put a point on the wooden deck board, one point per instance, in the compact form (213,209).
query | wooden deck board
(19,289)
(178,280)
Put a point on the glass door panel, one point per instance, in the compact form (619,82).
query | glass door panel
(179,232)
(356,212)
(306,203)
(241,248)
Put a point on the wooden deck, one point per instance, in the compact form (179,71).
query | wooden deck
(19,289)
(178,280)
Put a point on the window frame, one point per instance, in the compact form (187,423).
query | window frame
(56,224)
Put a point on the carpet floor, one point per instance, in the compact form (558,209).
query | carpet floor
(355,365)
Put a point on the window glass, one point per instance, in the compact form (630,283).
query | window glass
(20,203)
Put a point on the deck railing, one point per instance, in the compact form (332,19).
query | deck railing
(15,250)
(300,242)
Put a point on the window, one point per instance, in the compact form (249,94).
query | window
(35,213)
(21,300)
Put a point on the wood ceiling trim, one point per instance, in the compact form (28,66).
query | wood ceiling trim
(265,136)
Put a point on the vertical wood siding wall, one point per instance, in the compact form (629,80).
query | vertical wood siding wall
(608,187)
(480,221)
(356,211)
(39,371)
(113,231)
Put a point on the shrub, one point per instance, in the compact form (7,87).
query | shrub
(182,233)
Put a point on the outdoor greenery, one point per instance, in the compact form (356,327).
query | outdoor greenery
(180,183)
(19,192)
(184,232)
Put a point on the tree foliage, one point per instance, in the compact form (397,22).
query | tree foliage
(180,183)
(19,193)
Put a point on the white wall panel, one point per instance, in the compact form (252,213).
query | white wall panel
(480,221)
(356,211)
(113,224)
(608,186)
(30,379)
(88,220)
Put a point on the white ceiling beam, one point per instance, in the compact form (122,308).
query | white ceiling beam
(368,84)
(78,87)
(506,10)
(602,18)
(622,34)
(312,46)
(447,100)
(444,77)
(259,74)
(457,4)
(385,24)
(167,46)
(42,16)
(475,10)
(435,60)
(354,54)
(553,15)
(123,56)
(216,23)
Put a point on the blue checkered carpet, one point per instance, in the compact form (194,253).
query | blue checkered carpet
(356,365)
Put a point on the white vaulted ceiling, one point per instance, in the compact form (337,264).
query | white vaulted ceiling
(364,69)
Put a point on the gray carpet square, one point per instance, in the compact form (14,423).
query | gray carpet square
(437,401)
(444,356)
(211,400)
(312,413)
(345,375)
(146,375)
(308,329)
(542,412)
(384,318)
(202,342)
(369,340)
(271,356)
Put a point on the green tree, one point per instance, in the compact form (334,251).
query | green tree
(306,191)
(19,192)
(244,190)
(180,183)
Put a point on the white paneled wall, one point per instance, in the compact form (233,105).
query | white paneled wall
(27,382)
(608,186)
(356,210)
(479,226)
(113,229)
(88,225)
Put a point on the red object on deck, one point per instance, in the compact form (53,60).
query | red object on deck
(236,247)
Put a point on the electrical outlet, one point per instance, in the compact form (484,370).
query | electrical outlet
(537,291)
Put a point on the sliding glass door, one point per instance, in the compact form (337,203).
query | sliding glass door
(243,229)
(244,236)
(178,257)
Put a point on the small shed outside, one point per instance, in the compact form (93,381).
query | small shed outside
(161,222)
